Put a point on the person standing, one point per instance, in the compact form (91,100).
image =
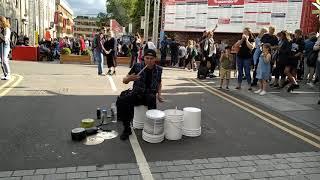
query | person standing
(309,61)
(244,56)
(110,46)
(5,47)
(174,52)
(226,60)
(163,51)
(134,51)
(182,55)
(211,50)
(256,54)
(99,51)
(317,48)
(82,45)
(263,69)
(147,84)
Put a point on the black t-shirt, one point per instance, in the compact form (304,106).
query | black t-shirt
(148,79)
(297,47)
(271,39)
(244,51)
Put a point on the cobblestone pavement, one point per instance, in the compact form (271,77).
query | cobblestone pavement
(291,166)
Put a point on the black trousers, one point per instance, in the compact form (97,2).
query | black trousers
(126,102)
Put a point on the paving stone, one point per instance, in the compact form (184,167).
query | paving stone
(247,169)
(86,168)
(106,167)
(246,163)
(230,164)
(109,178)
(298,165)
(46,171)
(177,168)
(277,173)
(98,173)
(313,176)
(131,177)
(87,179)
(185,178)
(210,172)
(122,172)
(265,156)
(214,165)
(313,164)
(229,170)
(281,155)
(222,177)
(311,170)
(5,173)
(135,171)
(55,176)
(233,158)
(249,158)
(293,172)
(195,167)
(193,173)
(298,177)
(217,160)
(127,166)
(278,178)
(241,176)
(294,160)
(159,169)
(66,169)
(23,173)
(200,161)
(296,154)
(182,162)
(282,166)
(259,175)
(157,176)
(279,161)
(164,163)
(203,178)
(77,175)
(262,162)
(310,153)
(10,178)
(309,158)
(172,175)
(266,167)
(37,177)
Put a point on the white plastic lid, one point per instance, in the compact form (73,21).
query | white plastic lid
(155,114)
(191,109)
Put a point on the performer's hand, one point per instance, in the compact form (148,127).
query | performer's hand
(133,77)
(160,98)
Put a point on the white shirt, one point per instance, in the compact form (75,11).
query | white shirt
(183,51)
(7,33)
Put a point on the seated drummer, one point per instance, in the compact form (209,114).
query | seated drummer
(146,90)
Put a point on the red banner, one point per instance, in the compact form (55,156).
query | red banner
(225,2)
(115,26)
(56,17)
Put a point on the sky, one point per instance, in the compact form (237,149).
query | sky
(87,7)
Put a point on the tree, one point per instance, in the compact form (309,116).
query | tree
(103,19)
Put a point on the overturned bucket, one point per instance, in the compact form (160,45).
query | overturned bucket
(139,116)
(153,130)
(191,122)
(173,124)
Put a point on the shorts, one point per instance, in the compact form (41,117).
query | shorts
(225,73)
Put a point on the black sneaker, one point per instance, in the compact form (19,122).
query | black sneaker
(250,89)
(227,88)
(109,72)
(290,88)
(319,102)
(125,134)
(276,85)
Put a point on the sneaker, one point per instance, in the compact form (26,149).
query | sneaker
(262,93)
(238,87)
(319,102)
(250,89)
(3,78)
(220,87)
(7,77)
(257,91)
(109,72)
(102,74)
(227,88)
(125,135)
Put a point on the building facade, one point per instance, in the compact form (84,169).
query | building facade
(29,17)
(63,19)
(85,26)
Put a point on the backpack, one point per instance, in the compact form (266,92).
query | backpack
(312,58)
(13,39)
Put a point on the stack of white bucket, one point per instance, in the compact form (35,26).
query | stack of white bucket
(153,130)
(191,122)
(173,124)
(139,116)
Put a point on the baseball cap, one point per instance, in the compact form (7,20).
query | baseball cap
(150,52)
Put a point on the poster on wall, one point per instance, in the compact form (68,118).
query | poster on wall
(232,15)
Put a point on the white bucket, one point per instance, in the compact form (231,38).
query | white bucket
(191,122)
(139,116)
(152,138)
(154,122)
(173,124)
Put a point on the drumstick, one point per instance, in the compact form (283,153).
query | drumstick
(142,70)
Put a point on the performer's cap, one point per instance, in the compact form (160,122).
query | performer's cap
(150,52)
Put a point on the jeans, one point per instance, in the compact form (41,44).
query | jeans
(99,58)
(4,58)
(244,63)
(256,56)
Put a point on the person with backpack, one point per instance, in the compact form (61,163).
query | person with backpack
(317,48)
(310,58)
(5,47)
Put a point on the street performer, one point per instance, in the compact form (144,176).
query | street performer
(146,77)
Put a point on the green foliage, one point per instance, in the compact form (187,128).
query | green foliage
(103,20)
(66,51)
(87,52)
